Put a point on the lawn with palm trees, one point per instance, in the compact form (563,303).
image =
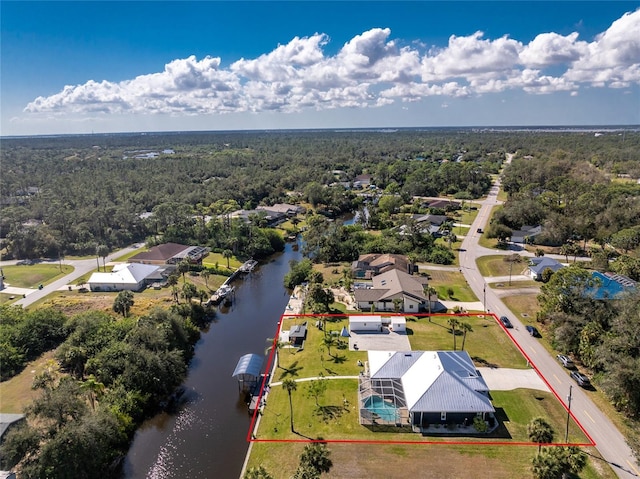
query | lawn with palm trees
(297,409)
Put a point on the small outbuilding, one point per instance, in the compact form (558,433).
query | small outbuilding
(398,324)
(365,323)
(298,334)
(247,371)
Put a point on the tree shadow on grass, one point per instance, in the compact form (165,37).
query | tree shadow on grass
(329,413)
(483,362)
(338,359)
(291,370)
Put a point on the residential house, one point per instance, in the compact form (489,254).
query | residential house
(369,265)
(170,253)
(393,288)
(131,277)
(271,217)
(283,208)
(526,235)
(423,388)
(431,224)
(538,265)
(362,181)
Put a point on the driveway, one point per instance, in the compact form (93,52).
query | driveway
(505,379)
(379,341)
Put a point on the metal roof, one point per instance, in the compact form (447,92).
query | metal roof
(434,381)
(250,364)
(298,331)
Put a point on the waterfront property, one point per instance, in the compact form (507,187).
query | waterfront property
(394,291)
(370,265)
(131,277)
(170,253)
(418,389)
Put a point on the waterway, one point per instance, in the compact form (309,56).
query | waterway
(206,437)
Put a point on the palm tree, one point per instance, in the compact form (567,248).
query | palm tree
(202,295)
(290,385)
(454,323)
(540,432)
(93,388)
(102,251)
(258,472)
(227,254)
(276,346)
(328,340)
(316,456)
(123,303)
(205,274)
(183,267)
(465,328)
(430,291)
(172,281)
(189,291)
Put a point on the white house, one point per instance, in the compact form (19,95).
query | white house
(422,388)
(365,323)
(126,276)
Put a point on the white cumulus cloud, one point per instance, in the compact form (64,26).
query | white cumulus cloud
(371,69)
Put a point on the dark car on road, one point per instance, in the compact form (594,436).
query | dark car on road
(581,379)
(504,320)
(532,330)
(566,361)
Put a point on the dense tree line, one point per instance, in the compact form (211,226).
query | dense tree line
(91,190)
(603,334)
(109,374)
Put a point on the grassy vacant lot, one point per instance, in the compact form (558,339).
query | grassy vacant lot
(487,343)
(16,393)
(524,306)
(443,280)
(495,265)
(372,461)
(515,284)
(6,298)
(216,258)
(30,276)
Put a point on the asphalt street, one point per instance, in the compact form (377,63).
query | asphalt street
(610,443)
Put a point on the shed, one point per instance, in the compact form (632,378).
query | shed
(248,371)
(365,323)
(398,324)
(297,334)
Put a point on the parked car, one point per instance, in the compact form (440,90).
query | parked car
(532,330)
(479,230)
(566,361)
(581,379)
(504,320)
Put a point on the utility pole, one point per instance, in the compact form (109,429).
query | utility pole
(484,297)
(566,435)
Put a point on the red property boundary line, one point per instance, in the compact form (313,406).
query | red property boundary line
(270,362)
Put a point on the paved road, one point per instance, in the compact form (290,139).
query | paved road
(82,266)
(609,441)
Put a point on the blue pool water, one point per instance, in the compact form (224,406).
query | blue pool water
(384,409)
(608,288)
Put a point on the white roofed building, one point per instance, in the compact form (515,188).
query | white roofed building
(126,276)
(423,388)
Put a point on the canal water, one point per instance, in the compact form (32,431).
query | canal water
(206,437)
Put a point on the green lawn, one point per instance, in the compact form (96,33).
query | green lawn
(212,258)
(515,284)
(436,335)
(443,280)
(30,276)
(495,265)
(6,298)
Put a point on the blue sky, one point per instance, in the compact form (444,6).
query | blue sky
(78,67)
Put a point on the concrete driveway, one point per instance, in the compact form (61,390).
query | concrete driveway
(505,379)
(379,341)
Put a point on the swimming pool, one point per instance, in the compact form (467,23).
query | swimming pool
(385,410)
(608,288)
